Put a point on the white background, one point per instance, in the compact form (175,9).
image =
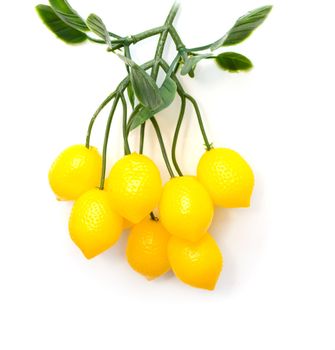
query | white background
(277,288)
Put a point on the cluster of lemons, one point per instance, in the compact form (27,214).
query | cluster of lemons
(179,238)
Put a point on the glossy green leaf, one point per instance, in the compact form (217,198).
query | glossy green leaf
(167,92)
(68,15)
(98,27)
(233,62)
(191,63)
(58,27)
(243,27)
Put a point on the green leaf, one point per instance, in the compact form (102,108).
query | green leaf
(131,95)
(233,62)
(191,62)
(243,27)
(68,15)
(145,87)
(58,27)
(167,92)
(98,27)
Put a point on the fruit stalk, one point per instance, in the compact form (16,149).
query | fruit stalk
(104,152)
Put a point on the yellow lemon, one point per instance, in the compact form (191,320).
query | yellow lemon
(147,248)
(227,177)
(76,170)
(186,209)
(134,186)
(127,224)
(197,264)
(94,226)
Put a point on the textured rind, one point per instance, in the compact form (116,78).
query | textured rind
(94,226)
(227,177)
(186,209)
(134,186)
(196,264)
(147,249)
(76,170)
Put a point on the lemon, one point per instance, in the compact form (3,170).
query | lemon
(196,264)
(76,170)
(227,177)
(127,224)
(94,226)
(147,249)
(186,209)
(134,186)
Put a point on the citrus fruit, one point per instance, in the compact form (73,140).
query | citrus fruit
(147,248)
(186,209)
(227,177)
(76,170)
(197,264)
(127,224)
(134,186)
(94,225)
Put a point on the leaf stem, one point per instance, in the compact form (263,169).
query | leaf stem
(98,41)
(104,152)
(114,35)
(161,143)
(200,48)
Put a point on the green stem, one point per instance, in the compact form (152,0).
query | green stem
(182,92)
(162,39)
(133,39)
(173,65)
(124,123)
(131,118)
(161,143)
(142,134)
(176,38)
(201,124)
(95,115)
(104,152)
(147,34)
(154,73)
(114,35)
(98,41)
(200,48)
(176,134)
(128,55)
(120,89)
